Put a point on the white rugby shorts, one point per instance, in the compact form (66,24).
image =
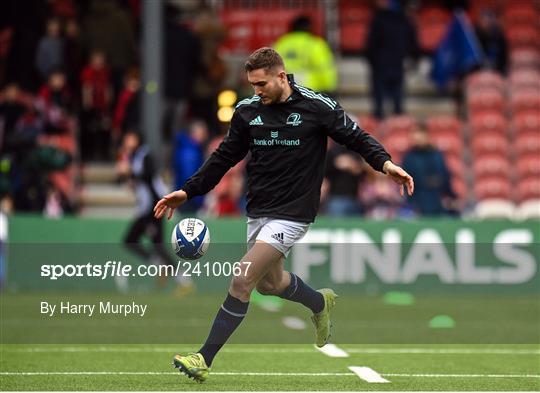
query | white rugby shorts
(281,234)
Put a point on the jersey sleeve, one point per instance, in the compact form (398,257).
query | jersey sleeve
(231,151)
(346,132)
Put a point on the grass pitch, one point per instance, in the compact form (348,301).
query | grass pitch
(498,345)
(272,367)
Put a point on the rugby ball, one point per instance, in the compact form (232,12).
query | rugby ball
(190,238)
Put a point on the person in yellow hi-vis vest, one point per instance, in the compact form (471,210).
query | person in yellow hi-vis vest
(308,57)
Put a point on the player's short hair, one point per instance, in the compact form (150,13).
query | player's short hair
(266,58)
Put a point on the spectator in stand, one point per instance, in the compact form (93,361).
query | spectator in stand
(73,56)
(56,92)
(493,41)
(433,191)
(126,114)
(96,100)
(212,69)
(391,39)
(50,51)
(109,28)
(308,57)
(11,110)
(344,170)
(188,156)
(379,198)
(181,62)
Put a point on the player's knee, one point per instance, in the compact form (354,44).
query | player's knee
(241,288)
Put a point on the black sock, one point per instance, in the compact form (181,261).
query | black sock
(298,291)
(228,318)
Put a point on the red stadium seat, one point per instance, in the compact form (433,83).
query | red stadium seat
(443,123)
(526,121)
(528,188)
(493,122)
(527,143)
(524,58)
(522,36)
(432,23)
(449,142)
(492,187)
(524,100)
(520,14)
(397,143)
(402,123)
(485,99)
(455,165)
(459,185)
(354,21)
(489,143)
(528,165)
(370,124)
(491,165)
(524,79)
(485,79)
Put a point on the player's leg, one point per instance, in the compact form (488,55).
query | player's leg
(233,310)
(134,234)
(288,285)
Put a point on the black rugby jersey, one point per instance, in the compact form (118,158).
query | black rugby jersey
(287,142)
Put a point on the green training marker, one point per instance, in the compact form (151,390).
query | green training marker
(442,322)
(398,298)
(268,303)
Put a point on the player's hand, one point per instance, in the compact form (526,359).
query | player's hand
(401,177)
(168,203)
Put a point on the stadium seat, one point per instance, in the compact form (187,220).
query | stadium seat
(527,143)
(492,187)
(520,14)
(528,210)
(492,164)
(485,79)
(522,36)
(489,143)
(443,123)
(455,164)
(432,23)
(528,165)
(354,21)
(459,185)
(528,188)
(525,122)
(525,99)
(397,143)
(495,208)
(524,58)
(490,121)
(448,142)
(485,99)
(401,123)
(524,79)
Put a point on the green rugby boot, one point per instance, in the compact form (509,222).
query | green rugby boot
(321,320)
(193,365)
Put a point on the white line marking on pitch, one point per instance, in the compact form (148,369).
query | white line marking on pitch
(368,374)
(382,351)
(446,351)
(333,351)
(293,323)
(271,374)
